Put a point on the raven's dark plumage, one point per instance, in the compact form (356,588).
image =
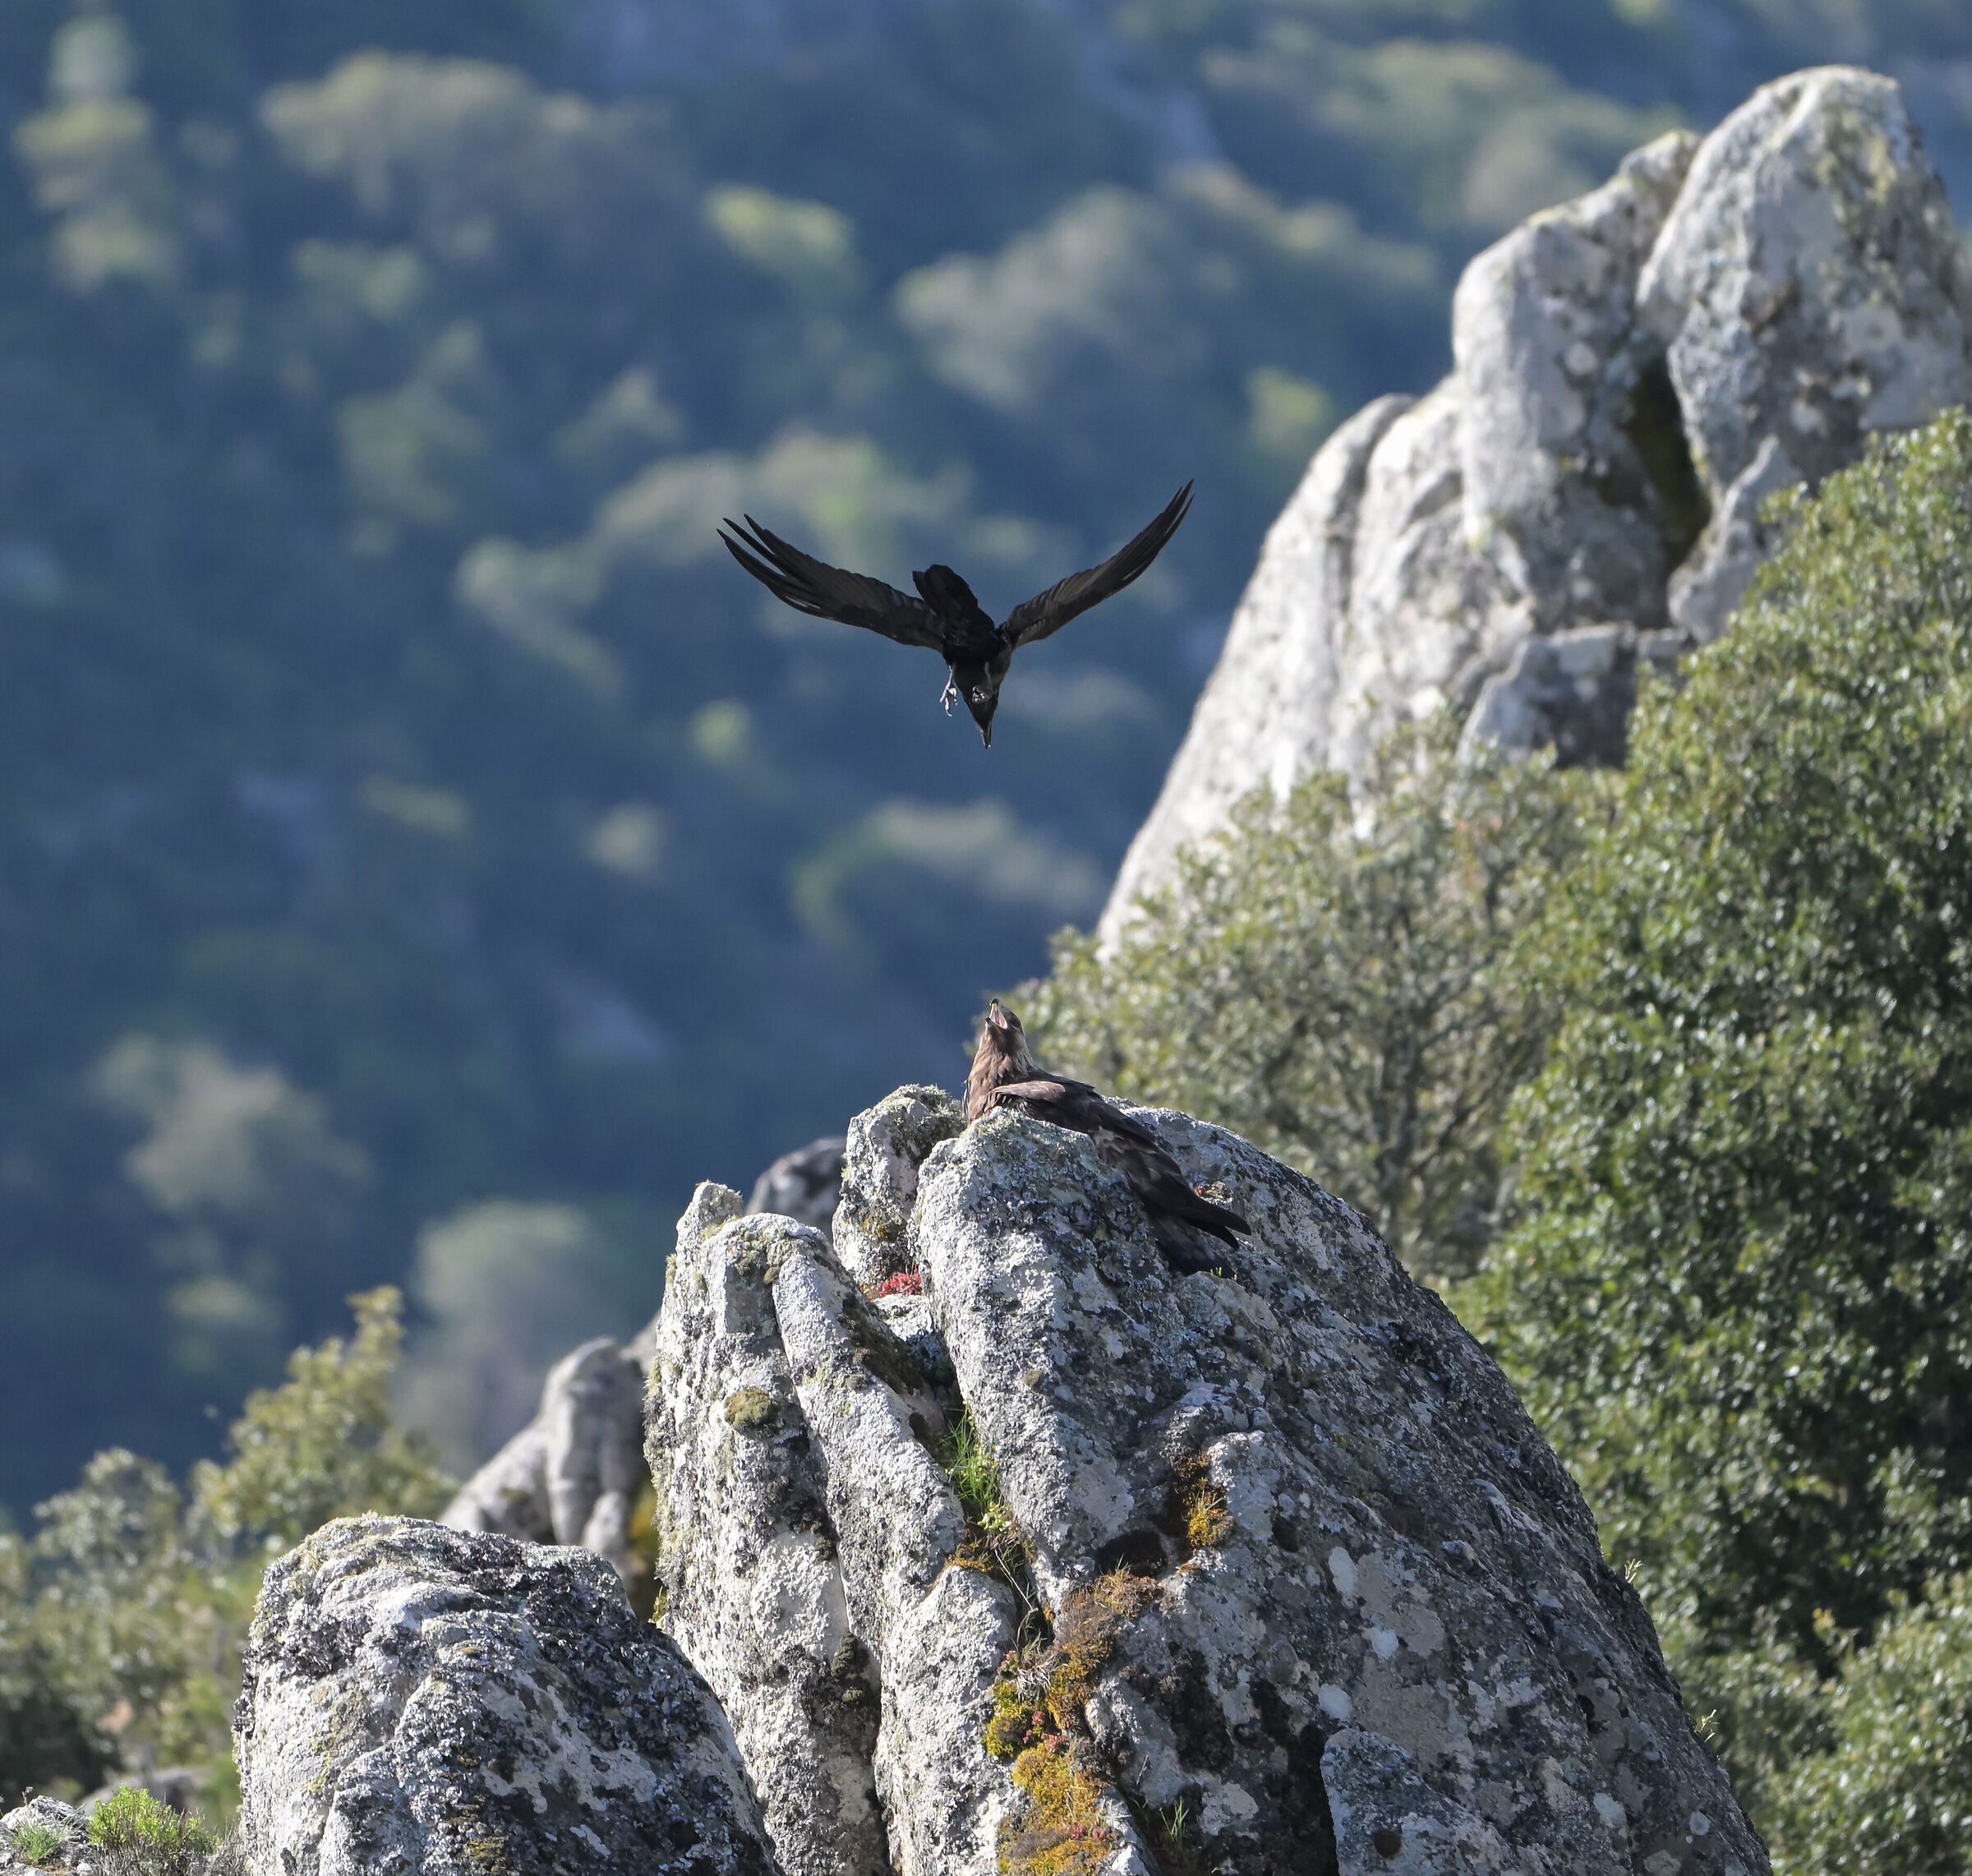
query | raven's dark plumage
(945,618)
(1005,1075)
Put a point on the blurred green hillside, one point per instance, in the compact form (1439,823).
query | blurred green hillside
(422,853)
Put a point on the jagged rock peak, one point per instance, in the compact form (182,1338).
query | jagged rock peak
(996,1577)
(421,1701)
(1634,373)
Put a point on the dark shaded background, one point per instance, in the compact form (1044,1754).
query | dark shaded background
(422,856)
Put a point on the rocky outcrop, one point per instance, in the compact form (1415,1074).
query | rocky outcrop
(886,1146)
(1068,1558)
(804,1185)
(420,1699)
(572,1475)
(56,1834)
(1634,373)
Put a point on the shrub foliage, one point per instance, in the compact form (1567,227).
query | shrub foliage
(1737,1295)
(1332,979)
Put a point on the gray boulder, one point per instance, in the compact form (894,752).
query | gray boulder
(1808,284)
(1263,717)
(1286,1552)
(887,1144)
(804,1185)
(423,1699)
(572,1475)
(1558,384)
(1637,372)
(751,1581)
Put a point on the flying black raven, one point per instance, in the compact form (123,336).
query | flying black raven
(945,617)
(1005,1075)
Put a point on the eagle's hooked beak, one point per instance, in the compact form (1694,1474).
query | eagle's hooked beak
(995,1015)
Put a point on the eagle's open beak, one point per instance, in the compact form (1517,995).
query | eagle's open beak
(995,1015)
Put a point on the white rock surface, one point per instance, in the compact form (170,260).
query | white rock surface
(572,1475)
(1263,715)
(887,1144)
(1808,282)
(1402,1621)
(421,1699)
(1330,1591)
(750,1577)
(1715,323)
(1557,492)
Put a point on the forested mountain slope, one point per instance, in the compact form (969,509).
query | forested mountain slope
(409,821)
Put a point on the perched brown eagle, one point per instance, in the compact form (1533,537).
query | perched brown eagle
(945,617)
(1005,1075)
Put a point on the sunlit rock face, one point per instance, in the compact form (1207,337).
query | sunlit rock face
(1635,372)
(423,1699)
(1285,1549)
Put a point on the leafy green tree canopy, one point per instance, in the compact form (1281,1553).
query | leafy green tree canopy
(1331,980)
(325,1445)
(1738,1299)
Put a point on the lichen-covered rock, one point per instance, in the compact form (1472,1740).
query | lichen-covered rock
(807,1531)
(750,1578)
(1569,691)
(421,1699)
(1561,387)
(1637,370)
(1705,591)
(45,1814)
(887,1144)
(1279,1568)
(1808,282)
(1363,1620)
(1427,612)
(937,1634)
(572,1475)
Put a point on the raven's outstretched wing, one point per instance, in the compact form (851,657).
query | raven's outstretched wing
(1049,611)
(814,587)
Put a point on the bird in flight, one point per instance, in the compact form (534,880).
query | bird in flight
(944,617)
(1005,1075)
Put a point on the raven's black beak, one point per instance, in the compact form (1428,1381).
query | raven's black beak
(986,733)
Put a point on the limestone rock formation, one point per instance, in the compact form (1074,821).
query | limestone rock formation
(572,1474)
(1287,1552)
(1635,372)
(886,1146)
(421,1701)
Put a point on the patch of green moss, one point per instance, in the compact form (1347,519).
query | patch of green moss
(752,1409)
(1060,1831)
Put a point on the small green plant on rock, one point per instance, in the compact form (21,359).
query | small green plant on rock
(40,1843)
(134,1835)
(993,1544)
(1200,1504)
